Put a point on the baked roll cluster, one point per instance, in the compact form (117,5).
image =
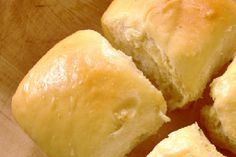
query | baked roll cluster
(87,98)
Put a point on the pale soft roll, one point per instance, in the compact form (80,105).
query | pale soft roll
(86,99)
(186,142)
(220,119)
(178,44)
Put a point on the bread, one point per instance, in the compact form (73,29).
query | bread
(220,118)
(186,142)
(178,44)
(86,99)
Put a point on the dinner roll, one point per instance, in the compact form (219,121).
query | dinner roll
(86,99)
(178,44)
(186,142)
(220,119)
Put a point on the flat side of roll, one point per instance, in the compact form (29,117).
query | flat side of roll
(220,118)
(84,98)
(185,142)
(179,44)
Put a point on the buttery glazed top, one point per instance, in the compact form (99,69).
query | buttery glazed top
(83,97)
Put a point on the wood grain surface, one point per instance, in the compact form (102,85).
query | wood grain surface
(28,29)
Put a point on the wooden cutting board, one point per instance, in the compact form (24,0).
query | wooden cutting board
(28,29)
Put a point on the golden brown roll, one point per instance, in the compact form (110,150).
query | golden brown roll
(178,44)
(220,118)
(189,141)
(86,99)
